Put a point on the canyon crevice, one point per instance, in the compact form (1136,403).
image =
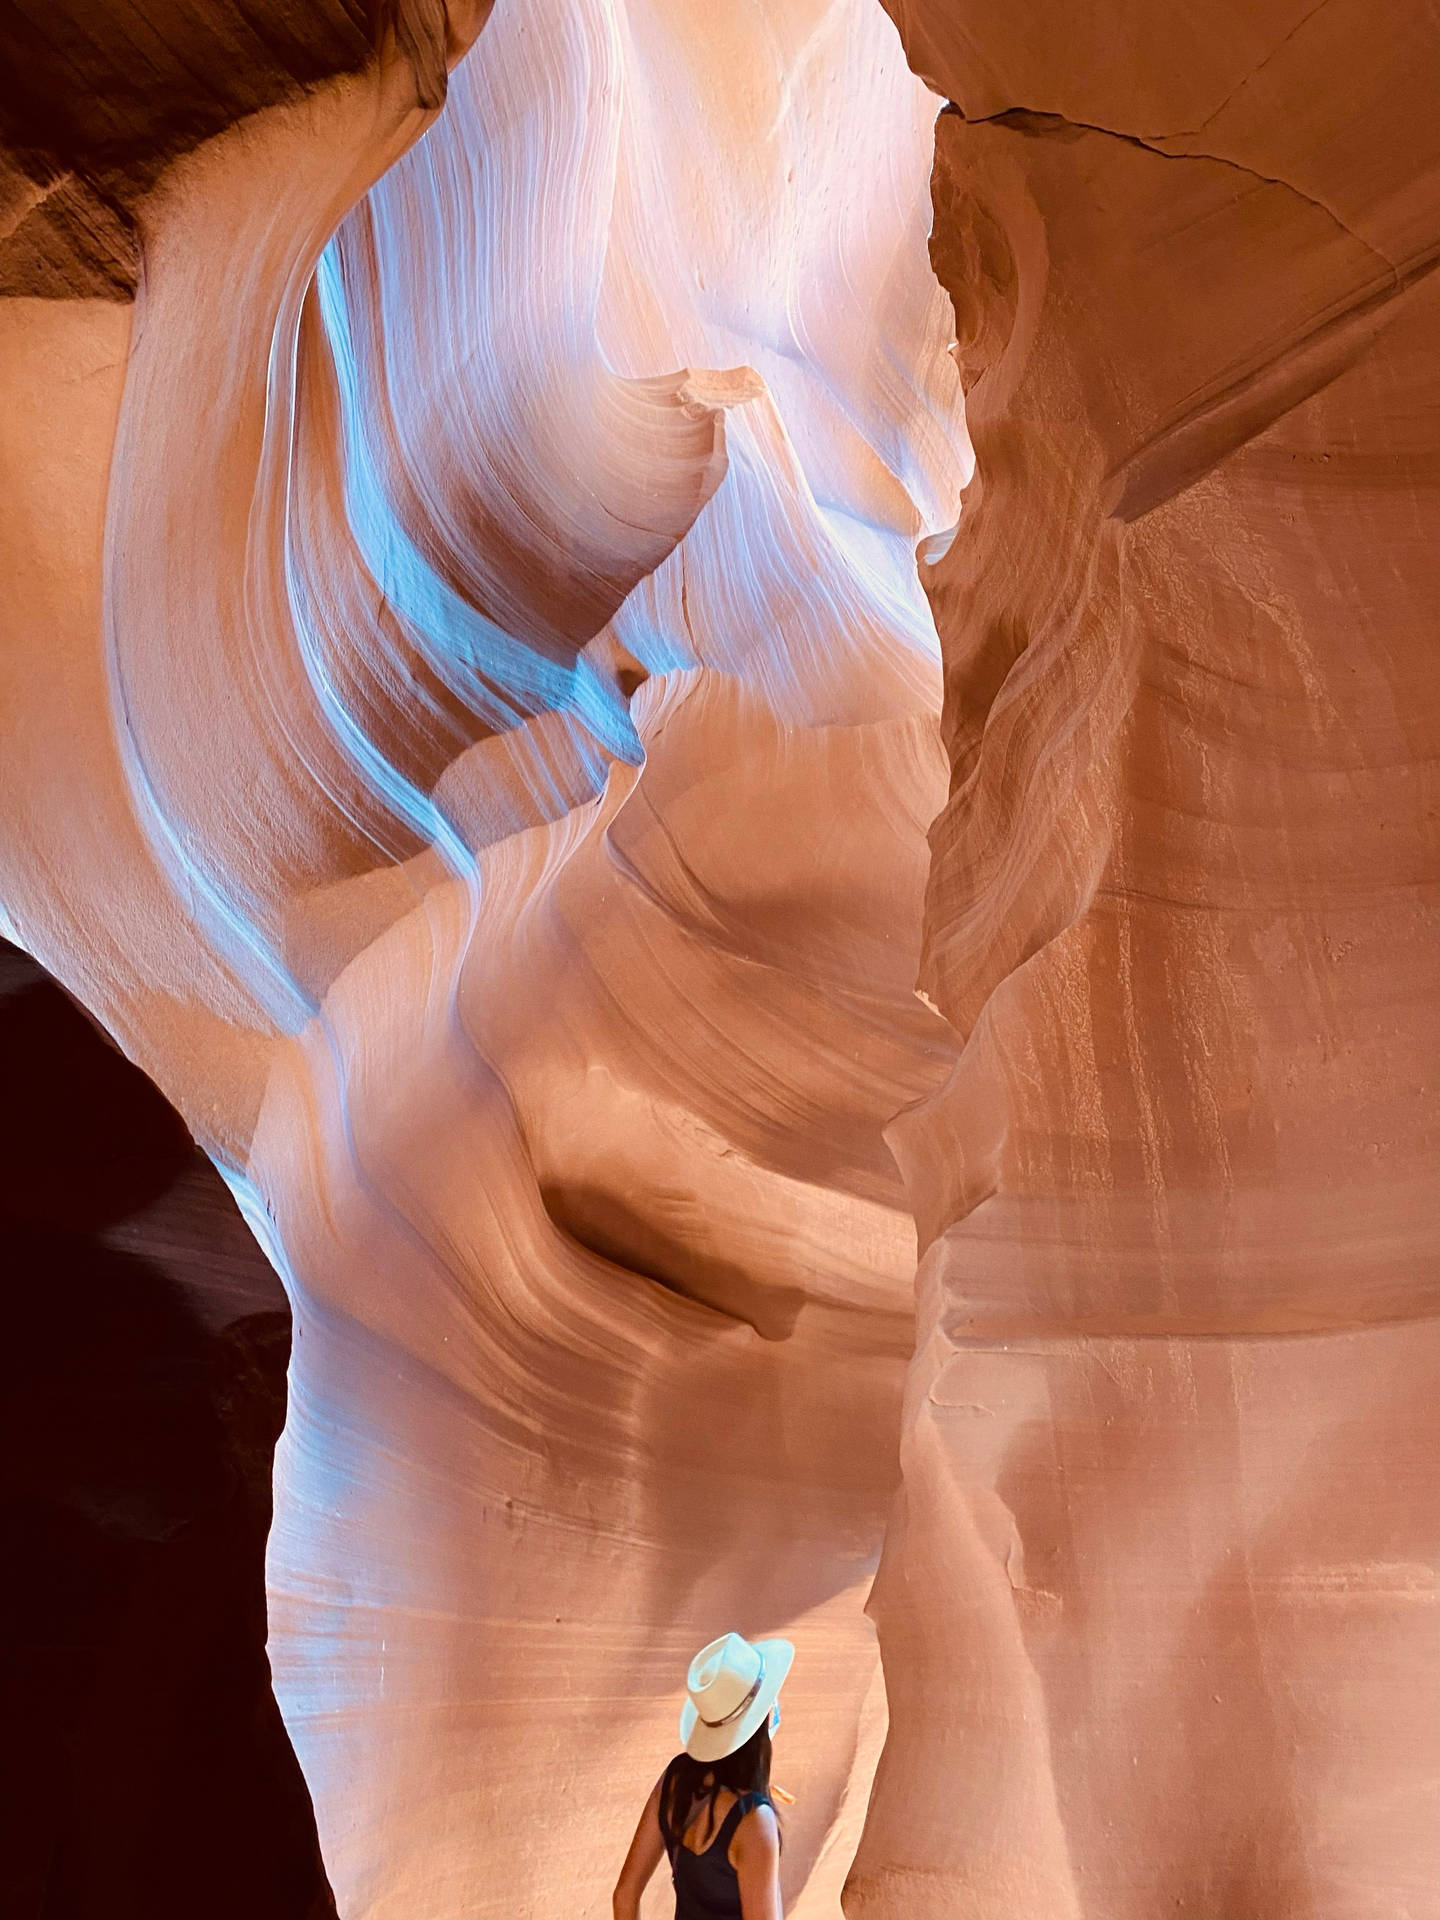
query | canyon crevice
(526,717)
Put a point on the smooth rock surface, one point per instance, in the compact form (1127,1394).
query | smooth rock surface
(475,728)
(472,725)
(1158,1611)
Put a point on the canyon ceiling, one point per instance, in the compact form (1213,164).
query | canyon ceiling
(652,647)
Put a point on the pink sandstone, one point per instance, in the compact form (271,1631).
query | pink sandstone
(498,601)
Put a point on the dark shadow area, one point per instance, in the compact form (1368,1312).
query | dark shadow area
(604,1223)
(142,1389)
(97,97)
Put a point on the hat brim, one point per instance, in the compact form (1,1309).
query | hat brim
(713,1743)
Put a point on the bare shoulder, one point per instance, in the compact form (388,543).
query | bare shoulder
(758,1833)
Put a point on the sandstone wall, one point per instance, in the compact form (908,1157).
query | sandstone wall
(472,738)
(1158,1610)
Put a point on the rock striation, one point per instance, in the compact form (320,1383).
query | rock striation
(474,732)
(1158,1610)
(507,725)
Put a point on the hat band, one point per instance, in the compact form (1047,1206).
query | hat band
(735,1712)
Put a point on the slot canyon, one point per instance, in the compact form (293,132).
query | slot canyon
(719,806)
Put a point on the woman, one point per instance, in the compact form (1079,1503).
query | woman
(710,1810)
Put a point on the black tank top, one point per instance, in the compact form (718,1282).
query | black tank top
(706,1885)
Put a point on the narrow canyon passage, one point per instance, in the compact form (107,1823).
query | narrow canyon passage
(525,715)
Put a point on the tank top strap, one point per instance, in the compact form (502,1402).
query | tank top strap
(671,1840)
(744,1803)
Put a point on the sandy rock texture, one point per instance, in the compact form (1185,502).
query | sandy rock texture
(498,721)
(470,733)
(1158,1609)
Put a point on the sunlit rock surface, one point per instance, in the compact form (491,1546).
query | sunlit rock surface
(471,728)
(472,735)
(1158,1610)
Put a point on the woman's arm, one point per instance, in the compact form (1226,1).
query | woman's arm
(755,1856)
(641,1861)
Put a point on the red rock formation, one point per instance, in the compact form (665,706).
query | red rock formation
(470,731)
(1158,1611)
(474,723)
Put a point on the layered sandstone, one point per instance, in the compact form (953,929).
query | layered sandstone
(473,735)
(1158,1611)
(471,728)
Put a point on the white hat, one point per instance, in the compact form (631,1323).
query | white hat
(732,1685)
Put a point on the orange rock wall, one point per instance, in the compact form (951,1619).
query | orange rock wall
(471,726)
(1158,1609)
(473,733)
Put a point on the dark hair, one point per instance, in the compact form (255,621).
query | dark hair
(747,1770)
